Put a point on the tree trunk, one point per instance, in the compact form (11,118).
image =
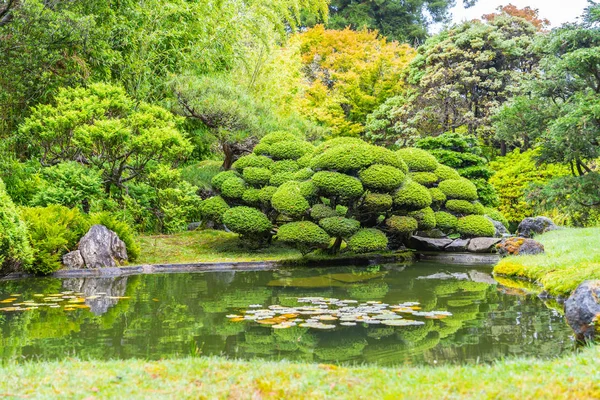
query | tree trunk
(228,152)
(503,148)
(335,249)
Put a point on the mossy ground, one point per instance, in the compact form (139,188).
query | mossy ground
(573,377)
(572,256)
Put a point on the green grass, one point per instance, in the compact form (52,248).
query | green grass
(572,377)
(572,256)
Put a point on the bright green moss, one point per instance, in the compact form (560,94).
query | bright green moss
(304,235)
(478,208)
(377,202)
(290,150)
(303,174)
(496,216)
(320,211)
(305,161)
(401,225)
(340,226)
(445,221)
(308,189)
(337,184)
(256,176)
(252,160)
(212,209)
(412,196)
(462,207)
(424,178)
(233,188)
(475,226)
(280,178)
(384,156)
(246,221)
(443,172)
(279,136)
(339,141)
(218,179)
(418,160)
(289,201)
(381,177)
(368,240)
(437,196)
(459,189)
(284,166)
(425,218)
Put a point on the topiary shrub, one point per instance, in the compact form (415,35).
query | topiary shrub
(381,177)
(462,207)
(15,251)
(381,155)
(437,196)
(320,211)
(425,218)
(212,209)
(257,176)
(220,178)
(303,174)
(427,179)
(306,236)
(475,226)
(339,226)
(252,160)
(418,160)
(252,197)
(279,136)
(443,172)
(308,189)
(459,189)
(344,158)
(445,221)
(247,221)
(338,141)
(284,166)
(290,149)
(341,210)
(412,196)
(262,149)
(266,194)
(401,225)
(280,178)
(337,184)
(368,240)
(288,200)
(496,216)
(377,202)
(233,188)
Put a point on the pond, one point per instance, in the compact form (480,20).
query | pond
(197,314)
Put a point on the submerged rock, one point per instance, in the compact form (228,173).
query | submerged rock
(483,245)
(530,227)
(429,244)
(582,310)
(519,246)
(458,245)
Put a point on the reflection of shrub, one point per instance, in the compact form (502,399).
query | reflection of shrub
(418,160)
(475,225)
(377,202)
(371,290)
(412,196)
(381,177)
(336,184)
(425,218)
(303,235)
(246,221)
(212,209)
(367,240)
(445,221)
(459,189)
(340,226)
(401,225)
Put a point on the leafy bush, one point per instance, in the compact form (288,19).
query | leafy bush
(252,160)
(212,209)
(445,221)
(252,197)
(368,240)
(290,149)
(401,224)
(462,207)
(266,194)
(15,251)
(377,202)
(458,189)
(424,178)
(475,226)
(418,160)
(289,201)
(233,188)
(444,172)
(303,174)
(437,196)
(257,176)
(306,236)
(340,226)
(280,178)
(344,158)
(246,221)
(425,218)
(381,177)
(321,211)
(279,136)
(337,184)
(284,166)
(220,178)
(202,174)
(412,196)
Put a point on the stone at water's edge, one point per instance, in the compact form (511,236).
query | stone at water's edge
(428,244)
(483,245)
(519,246)
(501,230)
(582,310)
(73,260)
(535,226)
(458,245)
(99,248)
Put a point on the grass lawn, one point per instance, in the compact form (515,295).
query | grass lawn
(573,377)
(572,256)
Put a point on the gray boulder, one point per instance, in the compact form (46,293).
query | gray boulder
(101,247)
(433,234)
(458,245)
(501,230)
(193,226)
(73,260)
(483,245)
(515,246)
(582,310)
(530,227)
(428,244)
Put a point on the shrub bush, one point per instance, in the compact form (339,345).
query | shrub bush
(337,184)
(381,177)
(246,221)
(418,160)
(444,172)
(401,225)
(344,158)
(458,189)
(377,202)
(381,155)
(445,221)
(252,197)
(340,226)
(279,136)
(212,209)
(462,207)
(306,236)
(427,179)
(252,160)
(15,251)
(290,149)
(308,189)
(233,188)
(288,200)
(437,196)
(266,194)
(496,216)
(284,166)
(256,176)
(412,196)
(425,218)
(368,240)
(303,174)
(321,211)
(335,142)
(280,178)
(220,178)
(262,149)
(475,226)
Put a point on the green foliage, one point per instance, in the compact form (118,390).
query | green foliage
(425,218)
(303,174)
(377,202)
(337,184)
(266,194)
(444,172)
(306,236)
(340,226)
(233,188)
(459,189)
(252,197)
(284,166)
(202,174)
(290,150)
(15,251)
(381,177)
(212,209)
(257,176)
(321,211)
(496,216)
(445,221)
(418,160)
(427,179)
(280,178)
(246,221)
(220,178)
(475,226)
(289,201)
(368,240)
(401,225)
(463,207)
(344,158)
(252,160)
(278,137)
(437,196)
(412,196)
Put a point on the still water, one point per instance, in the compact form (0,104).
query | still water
(183,315)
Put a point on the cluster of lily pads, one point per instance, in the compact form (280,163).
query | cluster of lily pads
(323,313)
(68,300)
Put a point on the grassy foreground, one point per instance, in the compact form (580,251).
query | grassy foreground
(573,377)
(572,256)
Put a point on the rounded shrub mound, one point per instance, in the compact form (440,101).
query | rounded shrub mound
(401,225)
(251,160)
(424,178)
(280,178)
(475,226)
(212,209)
(425,218)
(290,149)
(381,177)
(340,226)
(262,149)
(257,176)
(344,158)
(252,196)
(437,196)
(462,207)
(303,174)
(459,189)
(418,160)
(320,211)
(279,136)
(335,142)
(233,188)
(218,180)
(445,221)
(368,240)
(412,196)
(304,235)
(381,155)
(444,172)
(246,221)
(337,184)
(15,251)
(266,194)
(308,189)
(377,202)
(289,201)
(284,166)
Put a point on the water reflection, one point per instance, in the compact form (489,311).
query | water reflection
(177,315)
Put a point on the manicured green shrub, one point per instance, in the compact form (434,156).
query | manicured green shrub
(344,158)
(462,207)
(212,209)
(381,155)
(479,208)
(246,221)
(279,136)
(262,149)
(401,225)
(256,176)
(220,178)
(444,172)
(233,188)
(381,177)
(252,196)
(377,202)
(437,196)
(340,226)
(341,210)
(290,149)
(288,200)
(284,166)
(266,194)
(337,184)
(425,218)
(475,226)
(445,221)
(335,142)
(305,161)
(308,189)
(424,178)
(303,174)
(418,160)
(368,240)
(459,189)
(252,160)
(306,236)
(496,216)
(280,178)
(412,196)
(15,251)
(321,211)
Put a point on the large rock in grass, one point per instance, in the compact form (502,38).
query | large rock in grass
(582,310)
(99,248)
(483,245)
(516,246)
(530,227)
(428,244)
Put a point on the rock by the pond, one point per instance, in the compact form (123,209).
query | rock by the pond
(428,244)
(73,260)
(530,227)
(193,226)
(483,245)
(101,247)
(501,230)
(582,310)
(458,245)
(433,234)
(519,246)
